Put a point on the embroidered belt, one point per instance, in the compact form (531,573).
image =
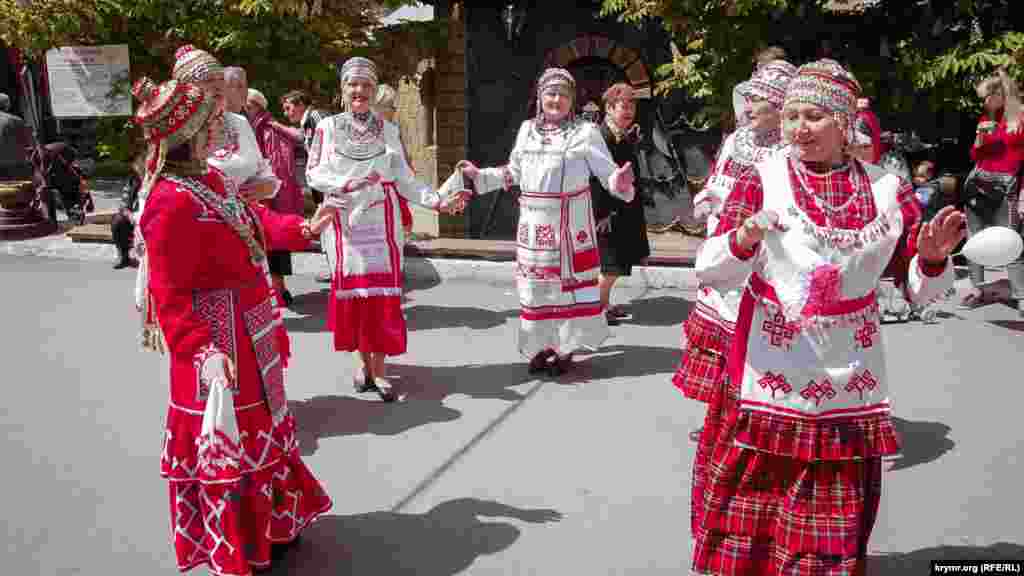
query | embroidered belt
(554,195)
(762,289)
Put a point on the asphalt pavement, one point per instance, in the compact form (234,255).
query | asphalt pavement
(482,469)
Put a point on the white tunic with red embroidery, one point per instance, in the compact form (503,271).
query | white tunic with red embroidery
(807,348)
(556,250)
(367,259)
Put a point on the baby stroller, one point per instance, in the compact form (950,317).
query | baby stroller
(932,195)
(59,180)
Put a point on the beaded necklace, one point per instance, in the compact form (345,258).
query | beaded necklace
(360,135)
(230,208)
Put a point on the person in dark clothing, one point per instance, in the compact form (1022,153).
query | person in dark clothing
(621,226)
(122,225)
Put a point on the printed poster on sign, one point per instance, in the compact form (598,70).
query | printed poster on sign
(89,81)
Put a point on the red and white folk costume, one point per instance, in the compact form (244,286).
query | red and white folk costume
(237,483)
(557,253)
(365,313)
(234,153)
(709,328)
(806,416)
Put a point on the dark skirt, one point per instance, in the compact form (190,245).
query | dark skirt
(280,262)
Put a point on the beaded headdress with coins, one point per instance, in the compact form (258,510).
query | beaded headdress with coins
(827,84)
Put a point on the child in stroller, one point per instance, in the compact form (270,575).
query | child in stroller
(932,195)
(58,180)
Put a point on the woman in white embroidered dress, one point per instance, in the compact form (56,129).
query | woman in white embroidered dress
(358,162)
(558,261)
(794,480)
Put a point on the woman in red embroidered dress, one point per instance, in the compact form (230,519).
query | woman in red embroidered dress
(794,479)
(358,161)
(237,482)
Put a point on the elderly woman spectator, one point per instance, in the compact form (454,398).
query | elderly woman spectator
(993,187)
(621,225)
(279,149)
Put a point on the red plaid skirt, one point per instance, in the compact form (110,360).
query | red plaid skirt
(702,368)
(758,514)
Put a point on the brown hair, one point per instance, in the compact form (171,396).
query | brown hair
(990,85)
(617,93)
(770,53)
(297,97)
(927,167)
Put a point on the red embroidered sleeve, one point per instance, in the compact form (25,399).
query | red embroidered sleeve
(282,231)
(899,266)
(174,253)
(745,200)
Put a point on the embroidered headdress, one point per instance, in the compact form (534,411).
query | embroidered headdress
(194,65)
(769,82)
(358,67)
(556,78)
(827,84)
(170,115)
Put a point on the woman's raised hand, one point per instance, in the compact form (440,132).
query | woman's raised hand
(940,236)
(469,170)
(753,229)
(623,177)
(457,204)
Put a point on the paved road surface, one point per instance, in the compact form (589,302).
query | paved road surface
(482,470)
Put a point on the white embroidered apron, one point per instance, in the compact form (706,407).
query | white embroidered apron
(809,343)
(368,252)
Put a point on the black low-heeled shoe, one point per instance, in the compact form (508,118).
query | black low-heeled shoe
(364,384)
(387,392)
(539,362)
(559,365)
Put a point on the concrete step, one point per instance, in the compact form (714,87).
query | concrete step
(92,233)
(670,249)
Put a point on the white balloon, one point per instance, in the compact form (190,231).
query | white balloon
(994,246)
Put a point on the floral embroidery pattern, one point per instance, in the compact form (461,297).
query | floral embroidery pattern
(524,233)
(779,332)
(775,382)
(545,235)
(819,391)
(865,335)
(861,382)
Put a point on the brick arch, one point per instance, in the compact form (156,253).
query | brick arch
(602,47)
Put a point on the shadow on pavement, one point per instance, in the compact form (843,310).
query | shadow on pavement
(312,308)
(420,275)
(921,442)
(623,361)
(331,416)
(1013,325)
(444,541)
(920,561)
(432,317)
(659,311)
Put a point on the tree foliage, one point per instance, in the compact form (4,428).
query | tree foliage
(904,53)
(282,44)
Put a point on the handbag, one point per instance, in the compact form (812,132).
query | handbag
(985,192)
